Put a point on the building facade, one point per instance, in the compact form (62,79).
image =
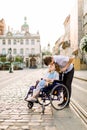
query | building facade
(62,45)
(85,17)
(23,44)
(75,26)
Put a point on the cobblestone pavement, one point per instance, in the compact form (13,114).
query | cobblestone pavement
(14,113)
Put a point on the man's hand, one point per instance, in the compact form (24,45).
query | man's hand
(63,69)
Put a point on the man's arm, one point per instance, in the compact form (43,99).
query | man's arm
(67,65)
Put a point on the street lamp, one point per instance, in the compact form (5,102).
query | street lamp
(10,59)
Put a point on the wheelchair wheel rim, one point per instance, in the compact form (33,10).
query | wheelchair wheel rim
(56,97)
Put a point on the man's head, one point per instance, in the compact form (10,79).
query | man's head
(48,60)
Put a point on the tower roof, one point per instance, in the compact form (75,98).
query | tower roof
(25,26)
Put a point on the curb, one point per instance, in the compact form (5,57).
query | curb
(80,78)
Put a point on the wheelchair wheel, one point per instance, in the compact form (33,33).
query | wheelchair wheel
(44,99)
(30,104)
(58,95)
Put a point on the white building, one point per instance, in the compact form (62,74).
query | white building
(23,44)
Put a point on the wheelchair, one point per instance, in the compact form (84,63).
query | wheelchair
(53,94)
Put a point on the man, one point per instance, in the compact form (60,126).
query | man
(66,67)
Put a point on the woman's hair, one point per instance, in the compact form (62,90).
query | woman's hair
(47,60)
(57,68)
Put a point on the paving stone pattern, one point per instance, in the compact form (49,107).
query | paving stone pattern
(14,113)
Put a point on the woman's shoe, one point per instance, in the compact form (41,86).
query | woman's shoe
(25,98)
(32,99)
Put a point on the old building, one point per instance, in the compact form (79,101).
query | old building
(23,44)
(75,26)
(85,17)
(62,45)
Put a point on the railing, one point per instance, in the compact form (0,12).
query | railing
(79,111)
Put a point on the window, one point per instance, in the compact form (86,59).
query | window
(32,42)
(21,51)
(32,51)
(27,41)
(14,42)
(3,42)
(38,40)
(9,42)
(14,51)
(21,42)
(3,51)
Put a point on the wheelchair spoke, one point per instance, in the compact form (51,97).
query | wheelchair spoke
(57,97)
(44,99)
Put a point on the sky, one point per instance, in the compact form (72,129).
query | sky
(45,16)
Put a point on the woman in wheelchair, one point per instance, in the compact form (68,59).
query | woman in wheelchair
(49,78)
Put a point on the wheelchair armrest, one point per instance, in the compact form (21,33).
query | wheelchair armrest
(58,81)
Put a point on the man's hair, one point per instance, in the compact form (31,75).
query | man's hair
(47,60)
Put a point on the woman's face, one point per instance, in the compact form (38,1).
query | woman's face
(52,67)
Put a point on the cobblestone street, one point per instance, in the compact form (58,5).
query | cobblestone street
(14,113)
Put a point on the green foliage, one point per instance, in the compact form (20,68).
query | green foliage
(46,53)
(3,58)
(18,59)
(83,44)
(84,48)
